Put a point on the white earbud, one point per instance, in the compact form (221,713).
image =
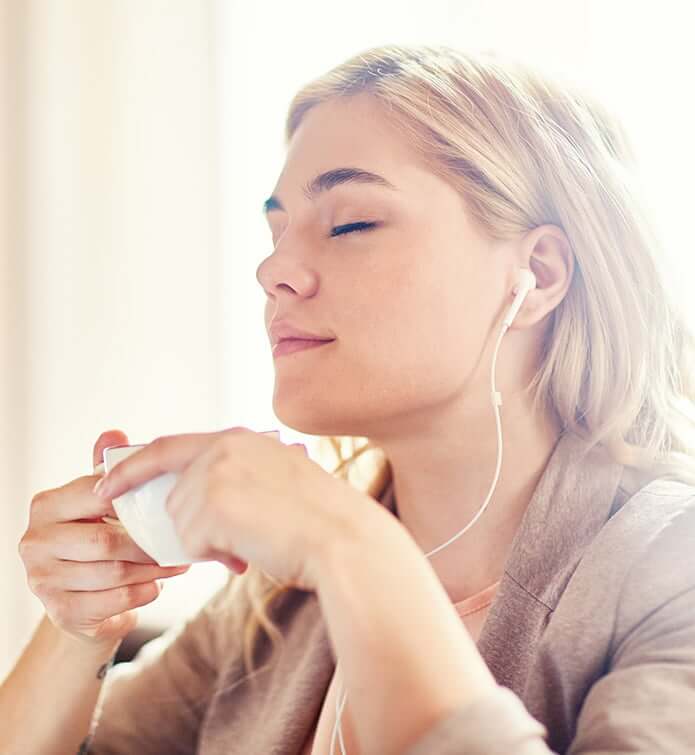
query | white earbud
(527,282)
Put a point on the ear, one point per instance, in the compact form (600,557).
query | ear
(547,252)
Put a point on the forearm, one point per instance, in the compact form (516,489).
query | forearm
(405,656)
(47,701)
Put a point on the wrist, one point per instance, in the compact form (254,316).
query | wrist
(84,646)
(361,524)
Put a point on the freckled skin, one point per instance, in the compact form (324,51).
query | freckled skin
(415,305)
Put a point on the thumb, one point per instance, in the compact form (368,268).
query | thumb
(106,439)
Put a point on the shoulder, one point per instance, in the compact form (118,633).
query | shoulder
(646,550)
(637,575)
(653,526)
(660,514)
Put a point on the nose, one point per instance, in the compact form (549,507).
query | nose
(258,274)
(285,273)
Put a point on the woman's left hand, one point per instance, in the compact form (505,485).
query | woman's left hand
(243,496)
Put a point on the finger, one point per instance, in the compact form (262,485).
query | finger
(106,439)
(193,523)
(93,542)
(72,502)
(183,502)
(170,453)
(231,562)
(176,495)
(88,607)
(103,575)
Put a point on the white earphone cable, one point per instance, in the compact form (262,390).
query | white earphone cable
(496,403)
(338,714)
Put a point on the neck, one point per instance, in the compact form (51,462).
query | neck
(442,479)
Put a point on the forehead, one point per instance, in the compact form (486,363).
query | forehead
(347,132)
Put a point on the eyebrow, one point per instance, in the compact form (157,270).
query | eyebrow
(328,180)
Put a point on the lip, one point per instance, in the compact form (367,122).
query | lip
(292,345)
(282,329)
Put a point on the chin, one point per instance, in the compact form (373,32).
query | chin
(309,421)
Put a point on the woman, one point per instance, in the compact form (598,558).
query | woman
(420,183)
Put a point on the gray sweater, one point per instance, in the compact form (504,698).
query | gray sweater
(591,637)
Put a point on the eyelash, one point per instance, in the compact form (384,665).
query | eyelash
(354,228)
(358,227)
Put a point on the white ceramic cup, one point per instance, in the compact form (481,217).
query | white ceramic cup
(142,512)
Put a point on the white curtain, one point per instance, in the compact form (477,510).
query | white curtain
(110,263)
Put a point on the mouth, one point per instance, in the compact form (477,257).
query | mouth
(293,345)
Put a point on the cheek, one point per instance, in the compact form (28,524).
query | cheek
(425,364)
(415,343)
(430,327)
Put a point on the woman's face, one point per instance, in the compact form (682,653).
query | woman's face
(410,302)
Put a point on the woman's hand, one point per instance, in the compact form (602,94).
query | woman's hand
(89,575)
(243,497)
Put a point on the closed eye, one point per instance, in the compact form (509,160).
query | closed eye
(342,230)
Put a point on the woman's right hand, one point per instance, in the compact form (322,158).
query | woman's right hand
(89,575)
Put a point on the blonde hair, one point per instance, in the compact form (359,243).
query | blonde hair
(523,150)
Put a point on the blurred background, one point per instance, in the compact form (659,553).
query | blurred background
(138,140)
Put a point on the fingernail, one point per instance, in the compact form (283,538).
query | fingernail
(101,488)
(276,433)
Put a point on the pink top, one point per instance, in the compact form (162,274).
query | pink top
(472,611)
